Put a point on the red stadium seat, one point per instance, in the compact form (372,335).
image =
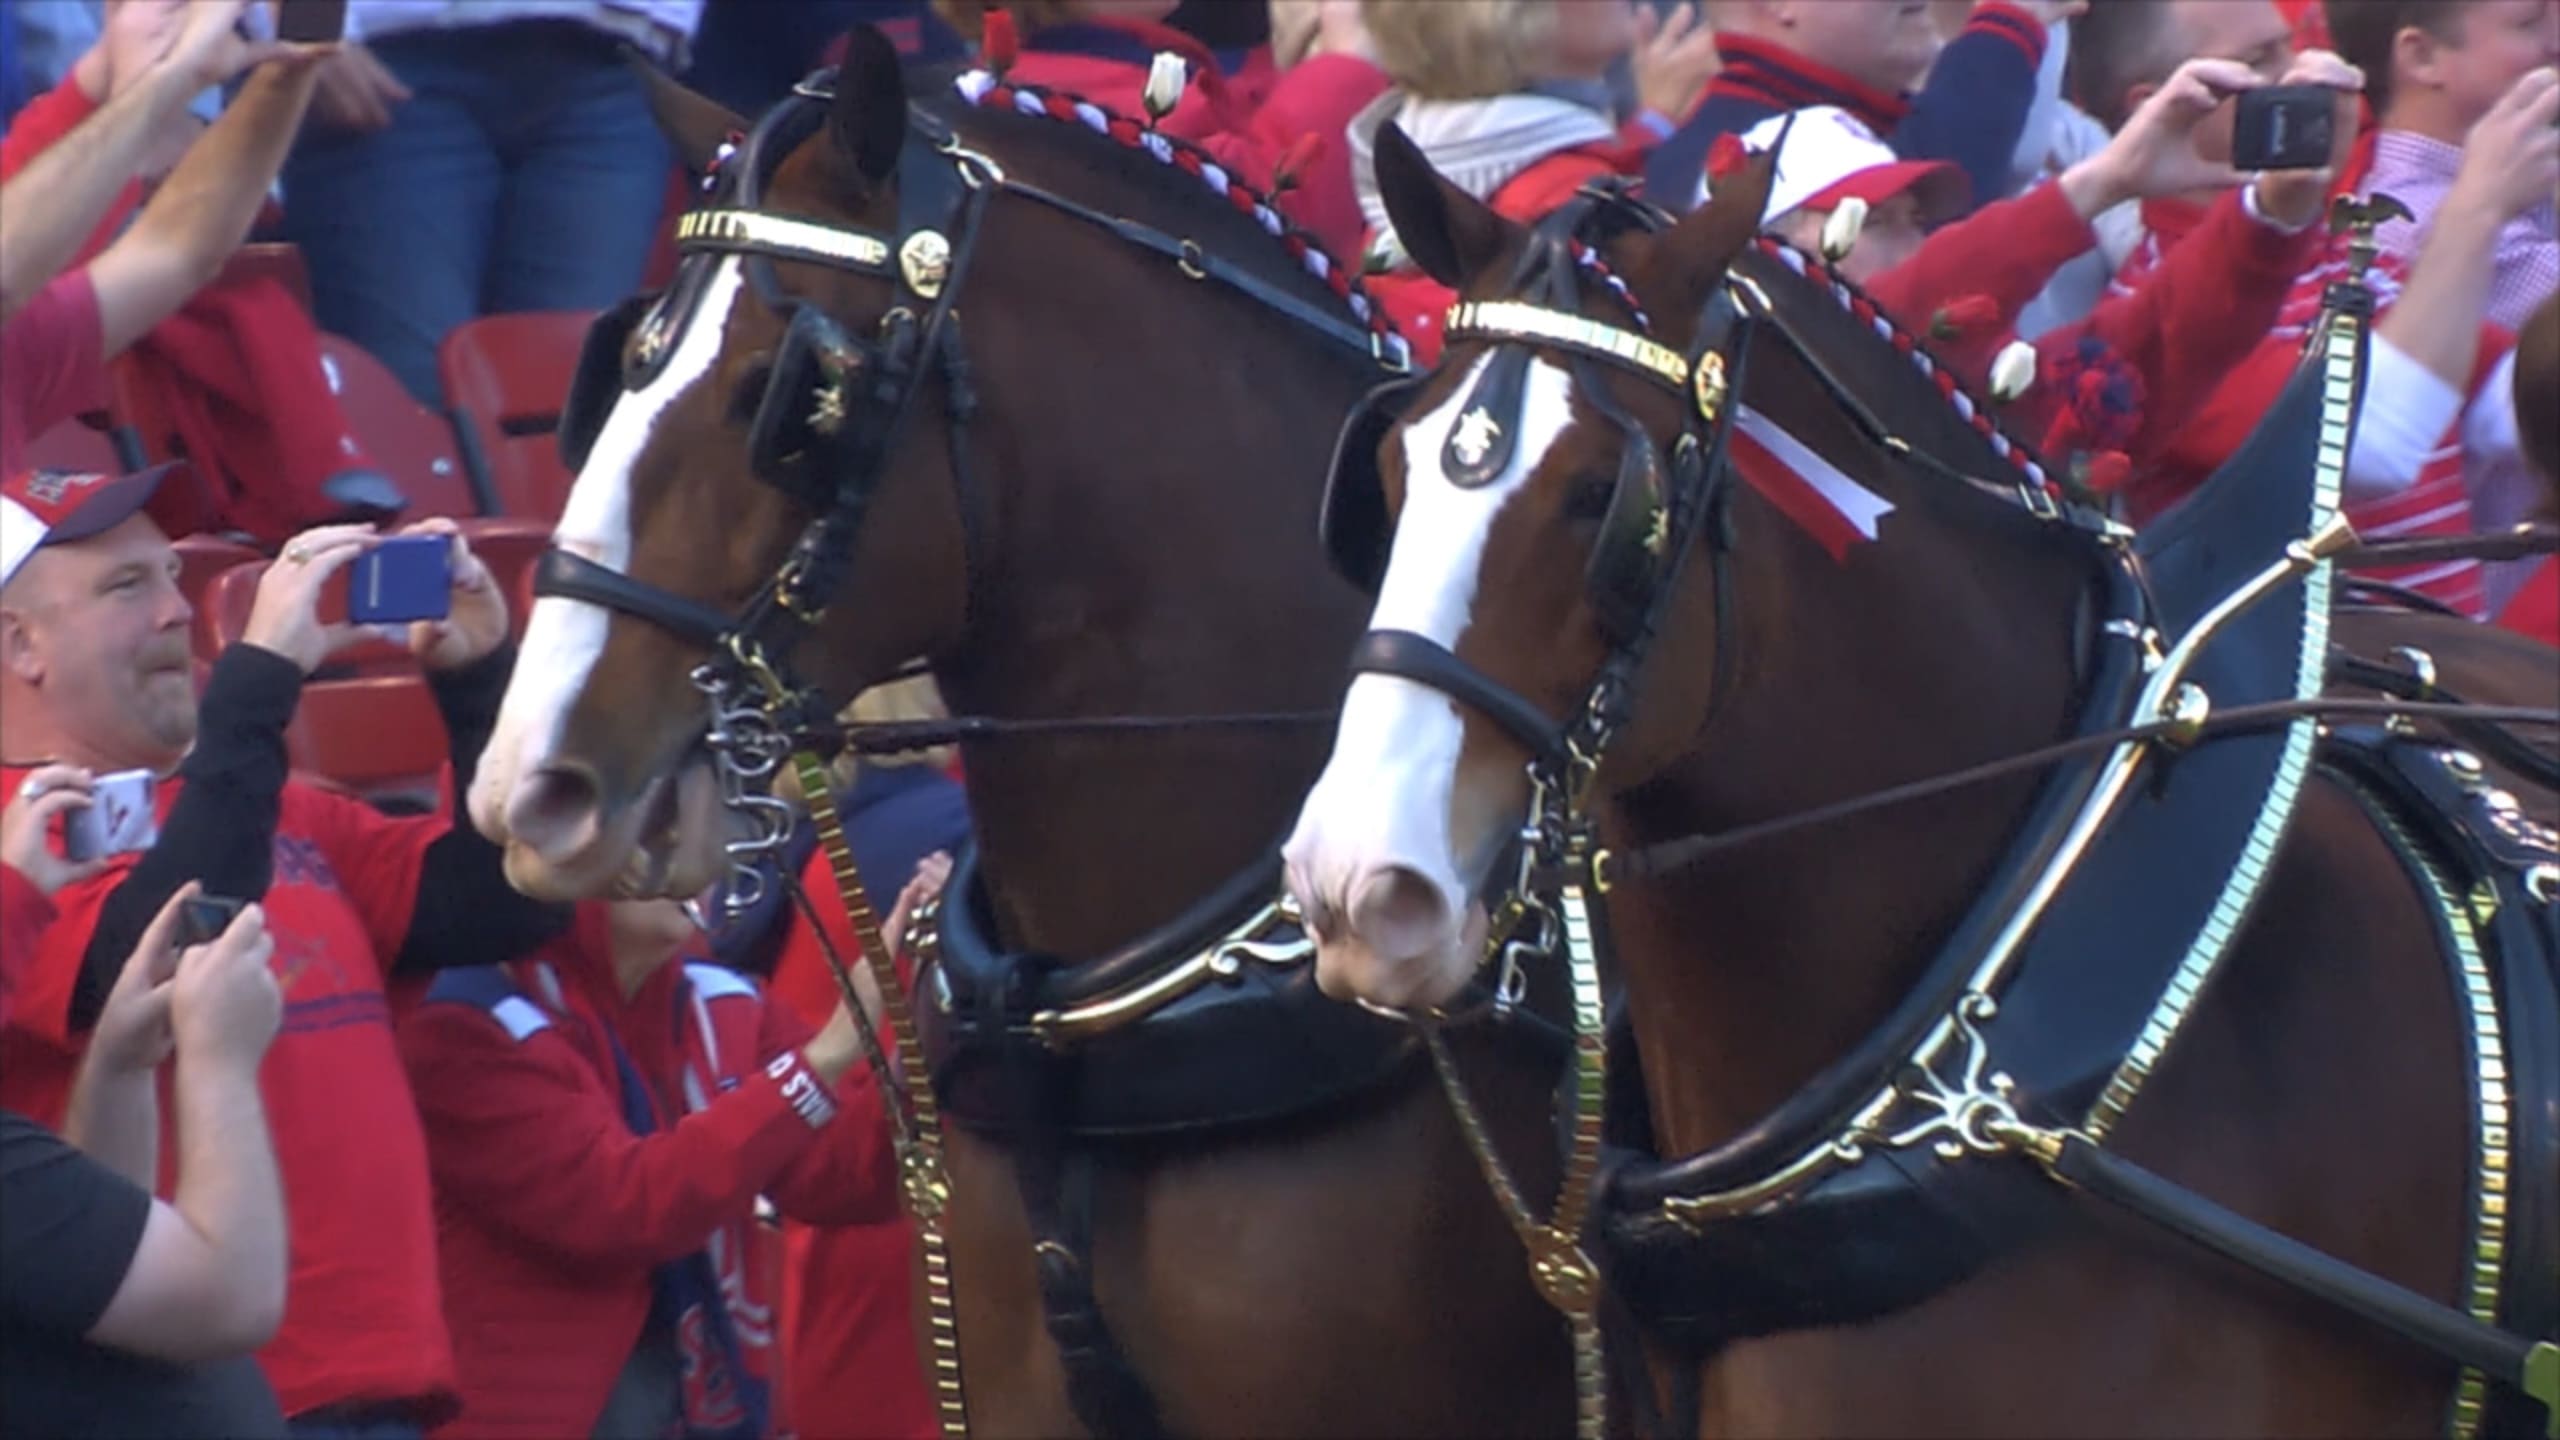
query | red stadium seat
(375,734)
(507,377)
(202,560)
(413,444)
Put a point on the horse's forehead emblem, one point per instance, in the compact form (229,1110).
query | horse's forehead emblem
(1475,436)
(925,260)
(650,345)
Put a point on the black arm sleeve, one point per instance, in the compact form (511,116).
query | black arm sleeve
(221,831)
(466,912)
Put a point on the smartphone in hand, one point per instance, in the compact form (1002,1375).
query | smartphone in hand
(2284,127)
(118,820)
(203,918)
(404,578)
(311,22)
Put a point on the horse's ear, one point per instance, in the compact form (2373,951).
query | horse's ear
(1693,255)
(1449,233)
(869,120)
(694,123)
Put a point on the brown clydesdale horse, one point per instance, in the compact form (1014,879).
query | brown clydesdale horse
(1847,621)
(1101,503)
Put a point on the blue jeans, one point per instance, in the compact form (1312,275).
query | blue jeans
(525,174)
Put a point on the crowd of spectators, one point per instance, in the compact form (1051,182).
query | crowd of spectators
(390,1149)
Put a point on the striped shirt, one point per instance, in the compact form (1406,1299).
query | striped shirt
(2418,172)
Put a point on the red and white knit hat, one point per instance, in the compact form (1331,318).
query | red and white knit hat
(1831,155)
(53,507)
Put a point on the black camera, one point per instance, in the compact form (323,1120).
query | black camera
(2284,127)
(203,918)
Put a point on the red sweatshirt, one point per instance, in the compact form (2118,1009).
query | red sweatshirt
(553,1215)
(362,1321)
(1105,61)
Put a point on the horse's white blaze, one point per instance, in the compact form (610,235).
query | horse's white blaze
(1385,798)
(563,638)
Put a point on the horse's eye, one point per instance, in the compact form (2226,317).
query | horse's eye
(749,395)
(1589,497)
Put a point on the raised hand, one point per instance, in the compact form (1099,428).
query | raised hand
(477,622)
(285,617)
(2511,162)
(1675,58)
(133,1031)
(225,1005)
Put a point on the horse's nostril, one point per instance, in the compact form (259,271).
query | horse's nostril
(555,810)
(1400,913)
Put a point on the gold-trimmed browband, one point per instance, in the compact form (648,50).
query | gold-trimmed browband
(783,239)
(1518,320)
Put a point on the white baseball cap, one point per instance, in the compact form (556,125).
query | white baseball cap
(1831,156)
(53,507)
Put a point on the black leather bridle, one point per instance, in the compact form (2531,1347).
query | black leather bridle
(1652,522)
(837,406)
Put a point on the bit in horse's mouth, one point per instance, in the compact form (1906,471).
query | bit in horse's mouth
(659,838)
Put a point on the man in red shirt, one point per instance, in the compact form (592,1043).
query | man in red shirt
(95,671)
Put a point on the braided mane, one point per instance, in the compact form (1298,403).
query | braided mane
(986,90)
(1969,407)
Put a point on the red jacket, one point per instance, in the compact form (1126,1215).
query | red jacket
(553,1216)
(2193,319)
(1105,61)
(362,1322)
(1417,303)
(2437,502)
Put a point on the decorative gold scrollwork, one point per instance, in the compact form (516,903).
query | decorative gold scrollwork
(1973,1112)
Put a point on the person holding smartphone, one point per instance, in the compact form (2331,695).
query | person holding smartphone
(126,1315)
(96,671)
(2436,427)
(30,871)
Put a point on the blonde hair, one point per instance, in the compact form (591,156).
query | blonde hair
(917,698)
(1294,26)
(969,17)
(1443,50)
